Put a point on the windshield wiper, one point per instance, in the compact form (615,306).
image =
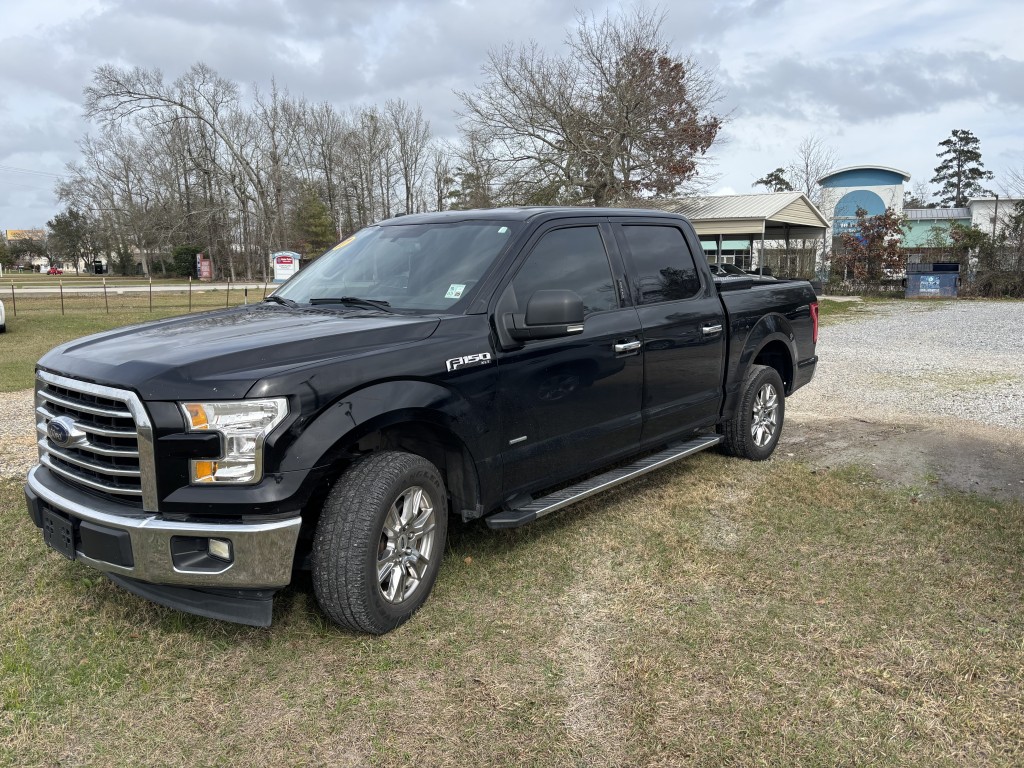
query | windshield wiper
(353,301)
(281,300)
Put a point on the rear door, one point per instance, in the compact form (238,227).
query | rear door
(570,404)
(683,328)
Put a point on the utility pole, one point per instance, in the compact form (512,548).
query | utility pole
(995,218)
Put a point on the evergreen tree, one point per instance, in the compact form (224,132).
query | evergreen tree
(775,181)
(961,171)
(314,231)
(70,236)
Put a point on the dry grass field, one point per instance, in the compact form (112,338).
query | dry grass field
(715,613)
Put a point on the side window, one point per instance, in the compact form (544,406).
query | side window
(662,263)
(573,259)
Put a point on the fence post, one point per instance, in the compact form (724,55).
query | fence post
(190,293)
(150,293)
(106,305)
(227,295)
(245,295)
(14,303)
(60,282)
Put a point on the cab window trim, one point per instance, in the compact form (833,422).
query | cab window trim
(542,232)
(633,274)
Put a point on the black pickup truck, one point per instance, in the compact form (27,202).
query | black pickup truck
(487,364)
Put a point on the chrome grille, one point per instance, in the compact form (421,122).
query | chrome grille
(108,448)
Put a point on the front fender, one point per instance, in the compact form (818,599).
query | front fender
(326,436)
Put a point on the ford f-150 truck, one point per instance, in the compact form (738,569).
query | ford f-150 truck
(496,364)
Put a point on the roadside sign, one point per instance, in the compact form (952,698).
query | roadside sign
(204,267)
(286,264)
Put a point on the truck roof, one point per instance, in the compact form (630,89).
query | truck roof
(523,213)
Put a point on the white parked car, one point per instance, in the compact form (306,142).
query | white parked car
(3,318)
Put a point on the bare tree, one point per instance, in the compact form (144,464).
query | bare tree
(200,96)
(619,115)
(324,132)
(442,176)
(814,158)
(410,137)
(190,163)
(475,175)
(917,196)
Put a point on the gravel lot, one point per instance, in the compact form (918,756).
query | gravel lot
(924,362)
(17,433)
(955,367)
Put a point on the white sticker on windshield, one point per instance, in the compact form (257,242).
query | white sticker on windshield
(503,230)
(455,291)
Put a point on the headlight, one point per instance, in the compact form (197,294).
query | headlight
(243,425)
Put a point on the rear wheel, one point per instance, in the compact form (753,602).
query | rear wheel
(379,542)
(754,431)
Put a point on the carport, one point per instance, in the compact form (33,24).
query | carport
(728,225)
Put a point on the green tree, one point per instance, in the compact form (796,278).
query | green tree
(1008,249)
(6,259)
(314,230)
(967,239)
(775,181)
(184,260)
(124,261)
(873,249)
(1001,261)
(26,248)
(70,237)
(960,171)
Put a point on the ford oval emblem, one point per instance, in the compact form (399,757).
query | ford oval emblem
(60,430)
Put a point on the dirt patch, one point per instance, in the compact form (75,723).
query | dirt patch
(963,457)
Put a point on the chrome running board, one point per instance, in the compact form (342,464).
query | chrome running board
(536,508)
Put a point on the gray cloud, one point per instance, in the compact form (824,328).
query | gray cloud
(788,67)
(902,83)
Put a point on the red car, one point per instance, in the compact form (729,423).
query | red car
(55,271)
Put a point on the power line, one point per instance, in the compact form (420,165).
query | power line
(14,169)
(15,185)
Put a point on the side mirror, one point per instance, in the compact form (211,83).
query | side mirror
(549,314)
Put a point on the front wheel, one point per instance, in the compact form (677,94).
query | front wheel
(379,542)
(754,431)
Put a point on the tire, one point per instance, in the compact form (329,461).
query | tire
(754,431)
(380,540)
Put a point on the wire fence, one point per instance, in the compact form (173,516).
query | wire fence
(65,295)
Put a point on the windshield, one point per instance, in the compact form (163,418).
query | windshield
(407,266)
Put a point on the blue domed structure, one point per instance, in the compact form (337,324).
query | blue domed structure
(872,188)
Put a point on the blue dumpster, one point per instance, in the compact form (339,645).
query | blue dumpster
(933,281)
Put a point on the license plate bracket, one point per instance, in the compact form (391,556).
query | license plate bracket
(59,533)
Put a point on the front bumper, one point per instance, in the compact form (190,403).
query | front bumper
(143,547)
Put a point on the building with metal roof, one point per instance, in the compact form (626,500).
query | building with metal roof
(730,225)
(924,226)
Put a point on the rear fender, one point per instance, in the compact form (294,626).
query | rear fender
(771,333)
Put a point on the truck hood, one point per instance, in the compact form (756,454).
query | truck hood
(221,355)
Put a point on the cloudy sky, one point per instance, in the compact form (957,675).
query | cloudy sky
(882,82)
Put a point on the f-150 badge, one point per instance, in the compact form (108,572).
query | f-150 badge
(467,361)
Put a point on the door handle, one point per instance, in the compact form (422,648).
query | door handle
(627,346)
(711,330)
